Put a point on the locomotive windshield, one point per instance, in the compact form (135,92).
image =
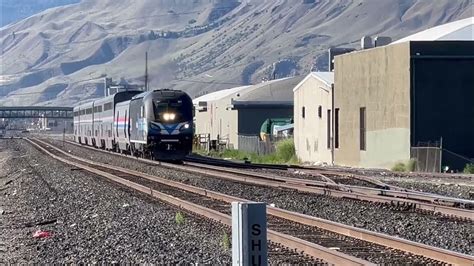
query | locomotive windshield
(172,111)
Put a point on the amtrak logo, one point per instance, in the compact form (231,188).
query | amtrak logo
(168,129)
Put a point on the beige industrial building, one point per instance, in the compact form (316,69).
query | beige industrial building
(312,118)
(392,98)
(226,114)
(212,115)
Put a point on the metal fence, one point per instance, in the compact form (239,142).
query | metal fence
(253,144)
(427,156)
(204,142)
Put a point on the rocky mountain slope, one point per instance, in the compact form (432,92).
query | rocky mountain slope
(60,56)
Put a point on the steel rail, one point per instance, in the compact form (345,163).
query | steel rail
(311,249)
(332,170)
(405,194)
(375,172)
(447,256)
(316,187)
(341,191)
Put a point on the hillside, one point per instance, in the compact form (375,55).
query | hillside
(59,56)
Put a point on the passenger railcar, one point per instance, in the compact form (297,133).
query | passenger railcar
(94,121)
(83,123)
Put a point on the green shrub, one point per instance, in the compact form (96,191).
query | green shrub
(179,218)
(469,169)
(285,150)
(411,165)
(226,241)
(399,167)
(285,153)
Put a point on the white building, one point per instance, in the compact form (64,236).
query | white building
(312,116)
(225,115)
(460,30)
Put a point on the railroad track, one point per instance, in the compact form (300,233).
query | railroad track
(357,243)
(233,164)
(330,170)
(450,207)
(423,201)
(386,194)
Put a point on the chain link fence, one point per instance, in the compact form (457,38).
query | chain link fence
(427,157)
(253,144)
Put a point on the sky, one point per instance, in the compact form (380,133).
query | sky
(15,10)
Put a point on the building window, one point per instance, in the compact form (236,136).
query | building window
(336,128)
(320,111)
(329,129)
(303,112)
(363,129)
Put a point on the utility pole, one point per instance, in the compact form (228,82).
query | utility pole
(146,71)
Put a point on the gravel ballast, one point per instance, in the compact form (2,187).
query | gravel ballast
(429,229)
(456,188)
(92,220)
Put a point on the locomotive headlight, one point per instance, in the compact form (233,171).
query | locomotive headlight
(169,116)
(185,127)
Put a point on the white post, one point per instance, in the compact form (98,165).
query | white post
(249,234)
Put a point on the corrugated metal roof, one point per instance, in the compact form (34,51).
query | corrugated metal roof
(275,91)
(217,95)
(461,30)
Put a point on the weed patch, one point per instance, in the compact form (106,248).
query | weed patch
(179,218)
(469,169)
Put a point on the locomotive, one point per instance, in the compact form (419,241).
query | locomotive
(156,124)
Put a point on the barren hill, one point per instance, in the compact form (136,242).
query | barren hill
(59,56)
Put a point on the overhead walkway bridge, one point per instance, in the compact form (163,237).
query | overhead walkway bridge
(13,112)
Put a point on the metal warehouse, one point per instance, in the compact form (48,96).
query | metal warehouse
(407,99)
(226,115)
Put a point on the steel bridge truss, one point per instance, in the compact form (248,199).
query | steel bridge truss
(36,112)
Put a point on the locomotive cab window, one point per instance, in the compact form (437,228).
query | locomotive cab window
(172,111)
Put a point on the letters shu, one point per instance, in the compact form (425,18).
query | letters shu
(256,245)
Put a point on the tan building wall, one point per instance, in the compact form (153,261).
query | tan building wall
(225,122)
(218,120)
(379,80)
(311,132)
(201,122)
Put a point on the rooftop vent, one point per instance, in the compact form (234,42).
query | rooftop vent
(366,42)
(382,41)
